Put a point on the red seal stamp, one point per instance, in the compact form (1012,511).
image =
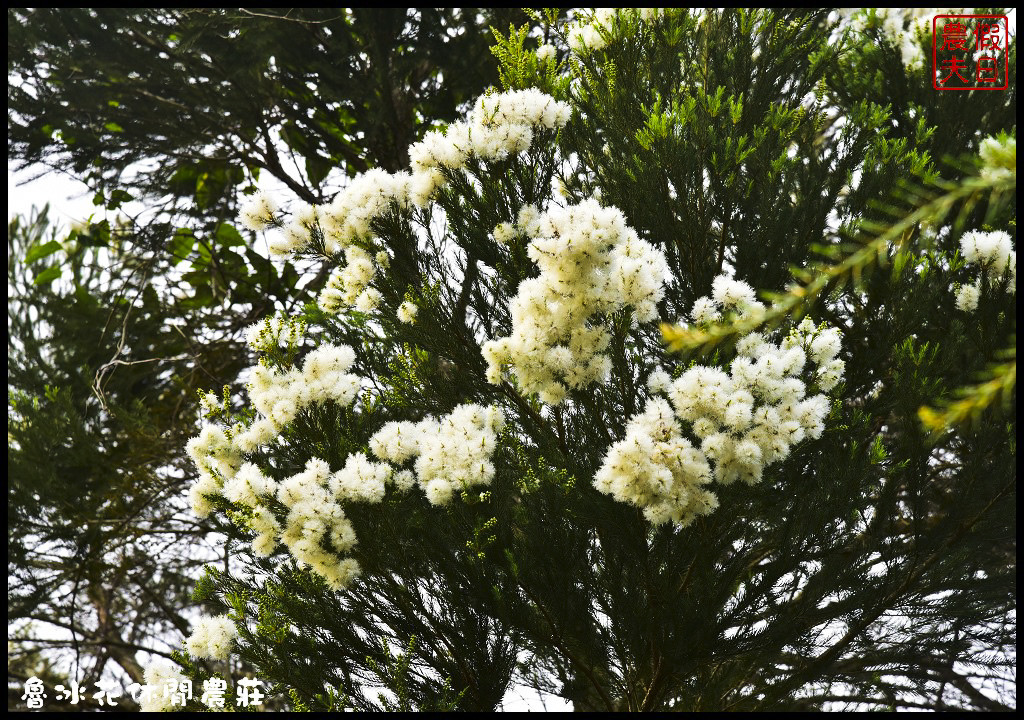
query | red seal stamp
(970,52)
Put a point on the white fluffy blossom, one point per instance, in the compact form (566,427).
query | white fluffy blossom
(732,294)
(397,441)
(360,480)
(658,381)
(248,485)
(825,346)
(591,263)
(504,233)
(407,312)
(902,26)
(217,460)
(368,300)
(212,638)
(705,312)
(590,35)
(998,157)
(967,297)
(456,453)
(528,220)
(316,516)
(655,468)
(259,213)
(830,374)
(745,418)
(368,196)
(499,125)
(267,530)
(987,248)
(312,497)
(993,251)
(295,236)
(586,37)
(278,398)
(274,330)
(752,415)
(259,434)
(349,285)
(209,403)
(546,53)
(449,455)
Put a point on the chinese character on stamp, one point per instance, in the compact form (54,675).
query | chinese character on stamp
(970,52)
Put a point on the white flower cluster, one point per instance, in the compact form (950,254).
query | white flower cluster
(313,496)
(165,681)
(587,36)
(903,26)
(209,403)
(590,263)
(591,33)
(274,330)
(259,213)
(744,419)
(998,157)
(994,252)
(991,250)
(212,638)
(348,285)
(278,396)
(504,233)
(248,485)
(546,53)
(315,514)
(499,125)
(728,295)
(407,312)
(296,235)
(654,467)
(367,197)
(217,458)
(450,454)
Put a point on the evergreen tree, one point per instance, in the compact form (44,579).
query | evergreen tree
(473,464)
(474,478)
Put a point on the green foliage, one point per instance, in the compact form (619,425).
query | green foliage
(874,246)
(997,392)
(515,62)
